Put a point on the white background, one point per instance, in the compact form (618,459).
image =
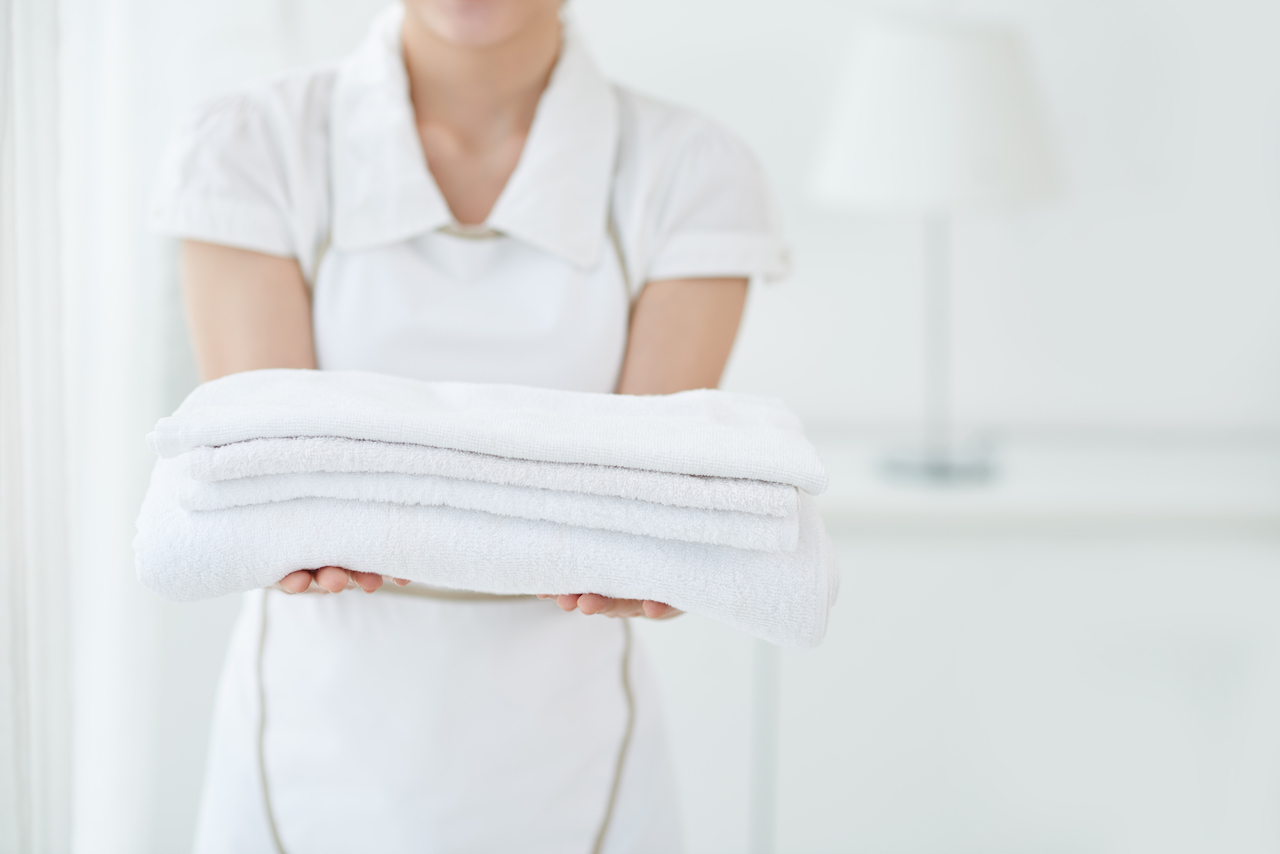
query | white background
(1087,687)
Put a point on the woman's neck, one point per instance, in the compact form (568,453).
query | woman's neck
(479,98)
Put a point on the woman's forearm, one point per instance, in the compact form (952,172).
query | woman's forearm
(682,331)
(245,310)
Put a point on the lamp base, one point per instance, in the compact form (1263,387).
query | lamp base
(940,466)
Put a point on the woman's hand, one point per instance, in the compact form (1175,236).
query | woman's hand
(331,579)
(594,603)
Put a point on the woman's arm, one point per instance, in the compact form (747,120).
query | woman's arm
(682,331)
(246,311)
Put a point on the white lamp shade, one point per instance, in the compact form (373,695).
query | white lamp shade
(934,118)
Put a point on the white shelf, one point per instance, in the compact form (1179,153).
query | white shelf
(1064,485)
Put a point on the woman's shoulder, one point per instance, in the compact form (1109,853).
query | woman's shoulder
(248,168)
(694,194)
(651,123)
(289,110)
(666,142)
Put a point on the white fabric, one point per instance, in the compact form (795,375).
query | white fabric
(704,432)
(781,597)
(457,751)
(332,153)
(297,455)
(688,524)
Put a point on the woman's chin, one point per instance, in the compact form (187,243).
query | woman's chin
(478,23)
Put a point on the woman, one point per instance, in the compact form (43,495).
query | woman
(465,198)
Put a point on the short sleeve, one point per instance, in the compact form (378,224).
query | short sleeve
(223,180)
(716,217)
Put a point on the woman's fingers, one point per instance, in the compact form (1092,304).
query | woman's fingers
(654,610)
(332,578)
(367,581)
(594,603)
(659,610)
(295,582)
(625,608)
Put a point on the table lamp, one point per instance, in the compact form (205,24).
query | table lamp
(935,119)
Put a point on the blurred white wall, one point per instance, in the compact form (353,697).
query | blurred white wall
(1104,694)
(965,701)
(1145,300)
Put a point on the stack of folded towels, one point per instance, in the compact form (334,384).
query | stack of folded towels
(701,499)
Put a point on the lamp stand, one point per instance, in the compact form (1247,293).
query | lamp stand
(939,460)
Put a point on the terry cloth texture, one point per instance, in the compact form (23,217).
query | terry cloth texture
(705,432)
(718,527)
(258,457)
(186,556)
(699,499)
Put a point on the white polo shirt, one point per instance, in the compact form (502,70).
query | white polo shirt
(331,158)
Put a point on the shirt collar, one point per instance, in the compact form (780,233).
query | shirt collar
(556,199)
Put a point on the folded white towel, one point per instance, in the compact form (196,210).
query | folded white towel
(696,525)
(328,454)
(704,432)
(181,555)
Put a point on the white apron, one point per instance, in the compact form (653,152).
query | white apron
(420,720)
(393,723)
(417,720)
